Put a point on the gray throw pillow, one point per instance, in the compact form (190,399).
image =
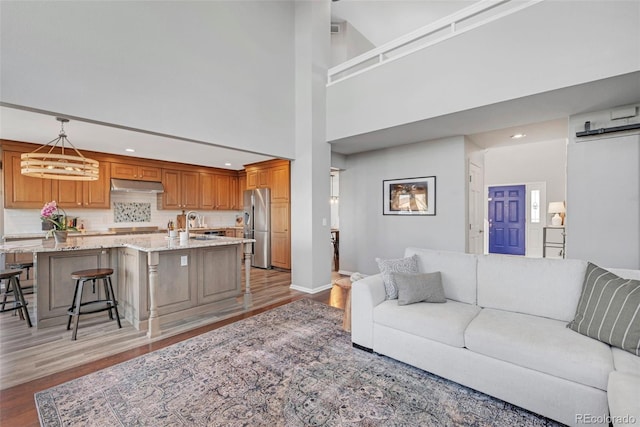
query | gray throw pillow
(609,309)
(419,287)
(399,265)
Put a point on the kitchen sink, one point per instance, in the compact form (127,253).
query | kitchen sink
(205,237)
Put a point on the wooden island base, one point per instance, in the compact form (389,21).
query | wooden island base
(155,279)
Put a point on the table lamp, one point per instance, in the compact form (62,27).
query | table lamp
(557,208)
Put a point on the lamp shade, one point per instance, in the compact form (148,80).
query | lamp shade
(556,207)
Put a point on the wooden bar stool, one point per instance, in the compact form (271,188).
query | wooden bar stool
(12,286)
(79,308)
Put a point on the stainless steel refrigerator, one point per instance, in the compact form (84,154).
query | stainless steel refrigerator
(257,225)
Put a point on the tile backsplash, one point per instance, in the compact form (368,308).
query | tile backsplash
(131,212)
(17,221)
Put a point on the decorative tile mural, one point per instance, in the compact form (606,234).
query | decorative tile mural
(131,212)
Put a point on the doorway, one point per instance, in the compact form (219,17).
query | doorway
(507,219)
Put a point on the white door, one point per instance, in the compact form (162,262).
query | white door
(476,209)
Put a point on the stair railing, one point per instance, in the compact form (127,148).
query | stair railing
(478,14)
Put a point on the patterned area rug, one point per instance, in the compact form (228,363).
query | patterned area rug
(291,366)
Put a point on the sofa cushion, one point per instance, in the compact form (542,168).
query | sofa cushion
(444,323)
(541,344)
(541,287)
(623,394)
(609,309)
(458,271)
(624,361)
(419,287)
(399,265)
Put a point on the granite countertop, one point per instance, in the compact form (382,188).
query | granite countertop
(141,242)
(41,234)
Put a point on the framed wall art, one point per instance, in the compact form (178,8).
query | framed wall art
(409,196)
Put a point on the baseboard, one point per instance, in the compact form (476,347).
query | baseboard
(361,347)
(311,291)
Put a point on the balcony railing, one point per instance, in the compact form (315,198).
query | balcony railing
(478,14)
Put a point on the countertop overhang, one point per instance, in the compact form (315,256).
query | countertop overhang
(141,242)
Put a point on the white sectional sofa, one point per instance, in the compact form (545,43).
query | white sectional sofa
(503,332)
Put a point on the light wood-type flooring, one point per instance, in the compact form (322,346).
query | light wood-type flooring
(32,360)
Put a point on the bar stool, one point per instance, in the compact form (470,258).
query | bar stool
(79,308)
(13,286)
(24,266)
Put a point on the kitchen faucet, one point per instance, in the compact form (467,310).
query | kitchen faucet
(188,217)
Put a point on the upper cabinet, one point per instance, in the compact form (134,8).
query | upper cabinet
(136,172)
(181,189)
(22,191)
(185,186)
(84,194)
(279,178)
(215,191)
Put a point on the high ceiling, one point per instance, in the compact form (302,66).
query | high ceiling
(541,117)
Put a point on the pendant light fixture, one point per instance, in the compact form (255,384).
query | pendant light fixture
(63,164)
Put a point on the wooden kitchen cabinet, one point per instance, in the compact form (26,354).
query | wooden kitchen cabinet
(280,236)
(242,185)
(279,183)
(257,178)
(22,191)
(207,191)
(223,192)
(135,172)
(275,174)
(181,189)
(84,194)
(215,192)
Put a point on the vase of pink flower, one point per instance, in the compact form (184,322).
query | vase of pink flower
(57,218)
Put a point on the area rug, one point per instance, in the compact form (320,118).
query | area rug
(290,366)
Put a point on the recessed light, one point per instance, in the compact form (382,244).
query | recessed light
(518,135)
(130,150)
(227,164)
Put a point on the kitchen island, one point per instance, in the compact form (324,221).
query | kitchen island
(155,278)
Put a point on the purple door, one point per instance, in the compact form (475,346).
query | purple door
(507,219)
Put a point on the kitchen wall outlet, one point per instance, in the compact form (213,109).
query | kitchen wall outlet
(184,260)
(324,222)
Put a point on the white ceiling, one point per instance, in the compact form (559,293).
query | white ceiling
(28,126)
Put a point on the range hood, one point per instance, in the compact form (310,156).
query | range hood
(130,186)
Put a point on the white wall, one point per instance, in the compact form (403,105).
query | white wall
(214,71)
(310,214)
(551,45)
(525,163)
(366,234)
(347,44)
(603,193)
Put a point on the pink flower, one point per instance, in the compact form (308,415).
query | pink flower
(49,209)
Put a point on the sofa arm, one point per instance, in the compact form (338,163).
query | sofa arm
(365,295)
(622,392)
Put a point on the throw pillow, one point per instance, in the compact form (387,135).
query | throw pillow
(609,309)
(419,287)
(400,265)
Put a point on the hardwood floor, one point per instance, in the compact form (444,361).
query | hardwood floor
(32,360)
